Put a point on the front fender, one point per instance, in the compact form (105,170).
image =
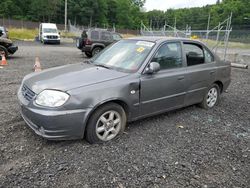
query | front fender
(97,45)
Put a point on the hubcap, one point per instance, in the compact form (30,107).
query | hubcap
(212,97)
(108,125)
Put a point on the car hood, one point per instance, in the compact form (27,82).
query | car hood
(69,77)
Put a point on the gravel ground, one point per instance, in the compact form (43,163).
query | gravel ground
(190,147)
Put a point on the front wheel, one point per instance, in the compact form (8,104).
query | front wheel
(96,50)
(88,54)
(5,51)
(106,123)
(211,98)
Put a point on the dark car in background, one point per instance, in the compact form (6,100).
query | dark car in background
(93,41)
(4,32)
(6,46)
(131,79)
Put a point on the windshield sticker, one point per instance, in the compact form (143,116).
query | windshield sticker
(145,43)
(140,50)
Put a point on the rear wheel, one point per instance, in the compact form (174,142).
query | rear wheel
(106,123)
(211,98)
(96,50)
(4,50)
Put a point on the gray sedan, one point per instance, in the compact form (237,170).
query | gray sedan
(132,79)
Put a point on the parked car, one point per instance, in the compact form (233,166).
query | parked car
(131,79)
(48,33)
(4,32)
(7,46)
(93,41)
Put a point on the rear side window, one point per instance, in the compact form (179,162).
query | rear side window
(95,35)
(169,56)
(194,54)
(105,36)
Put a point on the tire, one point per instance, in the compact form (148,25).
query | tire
(103,126)
(211,98)
(88,54)
(96,50)
(3,49)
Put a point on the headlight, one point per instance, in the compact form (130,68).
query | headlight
(51,98)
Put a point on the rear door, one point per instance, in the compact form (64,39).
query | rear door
(201,71)
(165,89)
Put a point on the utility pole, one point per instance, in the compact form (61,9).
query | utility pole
(65,21)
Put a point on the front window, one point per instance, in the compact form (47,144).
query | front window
(125,55)
(169,56)
(194,54)
(116,37)
(49,30)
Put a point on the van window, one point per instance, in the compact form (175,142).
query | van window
(169,55)
(49,30)
(194,54)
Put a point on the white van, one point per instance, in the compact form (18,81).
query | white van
(48,33)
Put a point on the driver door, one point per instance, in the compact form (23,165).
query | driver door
(164,90)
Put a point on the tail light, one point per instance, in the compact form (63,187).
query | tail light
(88,42)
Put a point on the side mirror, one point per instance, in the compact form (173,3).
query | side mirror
(152,68)
(1,33)
(59,33)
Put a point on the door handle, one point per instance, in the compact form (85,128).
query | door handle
(181,78)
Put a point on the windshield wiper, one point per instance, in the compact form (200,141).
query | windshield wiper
(102,65)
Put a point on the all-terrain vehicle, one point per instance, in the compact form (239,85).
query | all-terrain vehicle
(7,46)
(92,41)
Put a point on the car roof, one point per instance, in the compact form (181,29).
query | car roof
(162,39)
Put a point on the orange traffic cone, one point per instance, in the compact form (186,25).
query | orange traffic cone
(37,66)
(4,61)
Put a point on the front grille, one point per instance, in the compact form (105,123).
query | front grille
(27,93)
(52,37)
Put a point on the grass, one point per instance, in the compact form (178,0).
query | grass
(22,34)
(212,43)
(30,34)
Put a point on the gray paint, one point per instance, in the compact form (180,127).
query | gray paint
(93,86)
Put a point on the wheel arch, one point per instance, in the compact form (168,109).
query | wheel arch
(220,84)
(100,45)
(120,102)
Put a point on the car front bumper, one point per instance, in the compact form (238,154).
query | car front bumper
(55,41)
(54,124)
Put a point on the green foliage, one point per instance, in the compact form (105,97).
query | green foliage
(197,17)
(125,13)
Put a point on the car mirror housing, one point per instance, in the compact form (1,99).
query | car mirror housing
(152,68)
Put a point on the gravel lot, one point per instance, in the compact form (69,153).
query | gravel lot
(190,147)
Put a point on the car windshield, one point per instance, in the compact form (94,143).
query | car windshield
(49,30)
(125,55)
